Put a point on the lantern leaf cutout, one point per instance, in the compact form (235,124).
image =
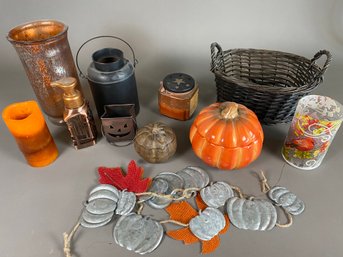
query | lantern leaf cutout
(226,135)
(251,214)
(138,233)
(287,200)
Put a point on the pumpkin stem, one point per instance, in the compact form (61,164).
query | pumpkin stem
(229,110)
(157,130)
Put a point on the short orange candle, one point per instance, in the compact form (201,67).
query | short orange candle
(26,123)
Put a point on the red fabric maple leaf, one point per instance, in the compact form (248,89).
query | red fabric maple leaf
(132,182)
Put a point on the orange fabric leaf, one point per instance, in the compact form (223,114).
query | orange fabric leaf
(184,212)
(210,245)
(227,225)
(183,234)
(181,211)
(200,203)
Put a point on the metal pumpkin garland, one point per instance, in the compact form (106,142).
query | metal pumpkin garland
(143,234)
(226,135)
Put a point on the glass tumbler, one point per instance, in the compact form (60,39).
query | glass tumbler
(314,125)
(44,51)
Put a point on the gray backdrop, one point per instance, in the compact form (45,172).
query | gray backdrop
(38,205)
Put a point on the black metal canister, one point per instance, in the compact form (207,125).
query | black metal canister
(112,78)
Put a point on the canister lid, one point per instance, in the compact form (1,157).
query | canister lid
(178,82)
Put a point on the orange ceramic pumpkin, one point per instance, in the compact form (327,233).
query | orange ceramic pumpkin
(226,135)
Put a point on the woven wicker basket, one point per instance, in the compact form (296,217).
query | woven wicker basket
(268,82)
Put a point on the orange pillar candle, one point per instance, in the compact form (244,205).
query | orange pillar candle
(26,123)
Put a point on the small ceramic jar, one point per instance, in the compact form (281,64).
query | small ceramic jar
(155,142)
(178,96)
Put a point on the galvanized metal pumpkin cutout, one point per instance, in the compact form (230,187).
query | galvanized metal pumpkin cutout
(155,142)
(103,194)
(164,183)
(194,177)
(138,233)
(126,203)
(207,224)
(217,194)
(287,200)
(251,214)
(106,187)
(89,220)
(226,135)
(100,206)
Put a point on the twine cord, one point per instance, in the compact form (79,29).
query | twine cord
(238,191)
(140,208)
(174,222)
(68,239)
(174,195)
(289,222)
(264,182)
(265,188)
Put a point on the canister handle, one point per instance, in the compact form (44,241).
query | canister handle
(135,61)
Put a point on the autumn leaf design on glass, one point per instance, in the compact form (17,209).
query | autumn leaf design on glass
(314,125)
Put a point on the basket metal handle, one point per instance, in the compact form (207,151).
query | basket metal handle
(216,51)
(326,64)
(135,61)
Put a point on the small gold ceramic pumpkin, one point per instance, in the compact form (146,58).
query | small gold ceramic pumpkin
(155,142)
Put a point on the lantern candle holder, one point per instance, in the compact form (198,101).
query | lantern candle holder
(119,123)
(315,123)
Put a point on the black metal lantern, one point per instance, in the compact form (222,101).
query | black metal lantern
(111,77)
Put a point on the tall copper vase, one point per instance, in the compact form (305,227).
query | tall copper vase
(44,50)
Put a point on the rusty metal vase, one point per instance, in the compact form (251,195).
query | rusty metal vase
(44,51)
